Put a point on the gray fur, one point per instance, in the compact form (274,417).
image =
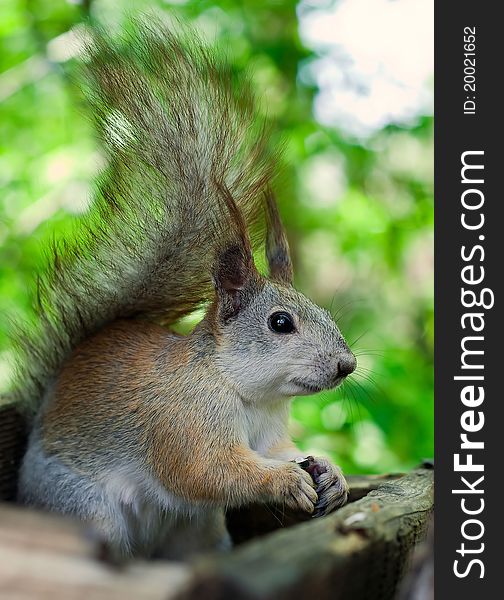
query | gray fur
(310,356)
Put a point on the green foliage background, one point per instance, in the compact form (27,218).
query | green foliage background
(365,254)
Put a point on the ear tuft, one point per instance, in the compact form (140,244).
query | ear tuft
(234,270)
(277,246)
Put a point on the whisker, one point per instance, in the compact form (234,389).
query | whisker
(369,376)
(372,373)
(360,337)
(368,353)
(281,521)
(350,401)
(338,315)
(366,393)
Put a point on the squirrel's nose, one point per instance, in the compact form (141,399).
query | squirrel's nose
(346,364)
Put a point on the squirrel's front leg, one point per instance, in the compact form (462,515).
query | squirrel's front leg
(237,475)
(250,478)
(331,486)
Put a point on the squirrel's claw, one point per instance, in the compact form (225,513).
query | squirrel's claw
(331,486)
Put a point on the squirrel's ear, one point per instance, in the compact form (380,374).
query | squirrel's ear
(231,277)
(277,247)
(234,271)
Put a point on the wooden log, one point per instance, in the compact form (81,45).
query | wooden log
(49,557)
(359,552)
(419,581)
(255,520)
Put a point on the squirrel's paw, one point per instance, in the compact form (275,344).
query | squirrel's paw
(295,488)
(332,489)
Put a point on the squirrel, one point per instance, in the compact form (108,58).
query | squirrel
(145,434)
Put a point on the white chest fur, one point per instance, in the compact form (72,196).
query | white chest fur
(265,423)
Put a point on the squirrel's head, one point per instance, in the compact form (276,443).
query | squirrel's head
(272,341)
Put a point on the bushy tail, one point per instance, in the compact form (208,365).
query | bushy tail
(176,128)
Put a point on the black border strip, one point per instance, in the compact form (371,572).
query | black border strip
(456,133)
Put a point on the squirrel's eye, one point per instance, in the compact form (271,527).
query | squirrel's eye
(281,322)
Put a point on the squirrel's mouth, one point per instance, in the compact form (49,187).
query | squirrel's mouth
(310,387)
